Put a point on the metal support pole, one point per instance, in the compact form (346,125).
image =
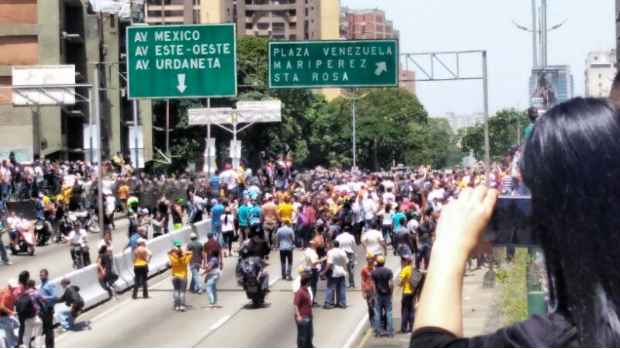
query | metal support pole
(543,34)
(135,124)
(208,157)
(168,128)
(487,151)
(234,145)
(90,124)
(534,42)
(354,137)
(519,130)
(97,107)
(489,278)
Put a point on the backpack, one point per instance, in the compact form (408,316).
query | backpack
(415,278)
(25,306)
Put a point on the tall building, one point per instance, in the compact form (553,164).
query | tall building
(458,122)
(600,73)
(550,86)
(372,24)
(172,11)
(367,24)
(276,19)
(65,32)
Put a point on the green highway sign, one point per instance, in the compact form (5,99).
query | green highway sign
(314,64)
(181,61)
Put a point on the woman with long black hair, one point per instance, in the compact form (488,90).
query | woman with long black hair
(571,164)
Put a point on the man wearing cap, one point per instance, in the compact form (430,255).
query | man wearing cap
(179,260)
(196,248)
(141,257)
(177,214)
(8,320)
(382,290)
(304,273)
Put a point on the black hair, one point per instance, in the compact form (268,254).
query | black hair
(31,284)
(336,243)
(571,164)
(23,277)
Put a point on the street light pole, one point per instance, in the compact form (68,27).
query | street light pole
(534,43)
(354,138)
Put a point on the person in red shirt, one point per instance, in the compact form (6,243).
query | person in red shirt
(303,315)
(367,285)
(8,320)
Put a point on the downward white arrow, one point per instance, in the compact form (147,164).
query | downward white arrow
(181,86)
(381,67)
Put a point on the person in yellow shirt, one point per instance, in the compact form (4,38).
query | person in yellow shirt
(67,191)
(407,300)
(179,261)
(285,210)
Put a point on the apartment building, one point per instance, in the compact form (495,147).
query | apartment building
(59,32)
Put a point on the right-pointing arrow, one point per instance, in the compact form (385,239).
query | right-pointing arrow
(381,67)
(181,86)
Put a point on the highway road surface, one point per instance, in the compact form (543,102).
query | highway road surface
(152,322)
(56,257)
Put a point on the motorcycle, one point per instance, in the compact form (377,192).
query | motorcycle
(81,256)
(43,231)
(252,286)
(87,219)
(26,240)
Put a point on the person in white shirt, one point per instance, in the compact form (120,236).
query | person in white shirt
(436,193)
(347,244)
(373,241)
(389,196)
(312,262)
(303,273)
(78,236)
(110,206)
(369,206)
(337,267)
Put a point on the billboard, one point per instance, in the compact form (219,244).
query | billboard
(544,85)
(42,75)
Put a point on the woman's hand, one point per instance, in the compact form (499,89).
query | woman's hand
(462,222)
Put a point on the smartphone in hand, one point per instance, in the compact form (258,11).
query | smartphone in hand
(511,223)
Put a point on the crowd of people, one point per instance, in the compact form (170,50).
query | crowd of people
(325,214)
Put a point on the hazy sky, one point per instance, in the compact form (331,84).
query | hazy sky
(448,25)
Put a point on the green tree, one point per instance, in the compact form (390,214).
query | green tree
(383,124)
(434,144)
(502,135)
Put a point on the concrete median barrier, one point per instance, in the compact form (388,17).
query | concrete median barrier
(87,278)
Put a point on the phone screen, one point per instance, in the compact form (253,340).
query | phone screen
(511,223)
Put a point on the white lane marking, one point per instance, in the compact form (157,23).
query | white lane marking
(116,307)
(356,332)
(219,323)
(362,323)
